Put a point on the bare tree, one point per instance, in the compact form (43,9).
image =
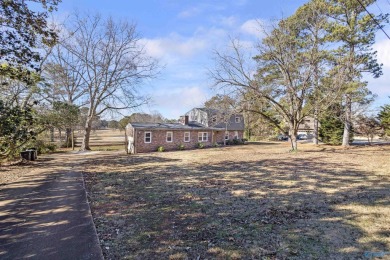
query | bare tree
(113,64)
(220,108)
(63,82)
(283,77)
(64,74)
(368,126)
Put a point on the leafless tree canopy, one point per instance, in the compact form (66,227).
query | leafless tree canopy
(104,60)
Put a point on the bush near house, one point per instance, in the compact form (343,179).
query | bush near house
(200,145)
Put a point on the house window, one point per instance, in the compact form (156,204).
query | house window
(214,119)
(169,137)
(186,137)
(237,119)
(148,137)
(202,136)
(226,135)
(235,134)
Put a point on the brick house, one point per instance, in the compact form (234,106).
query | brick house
(147,137)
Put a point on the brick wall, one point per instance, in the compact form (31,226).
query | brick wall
(159,139)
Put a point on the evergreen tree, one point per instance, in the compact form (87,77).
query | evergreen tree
(354,29)
(16,129)
(384,118)
(22,30)
(332,127)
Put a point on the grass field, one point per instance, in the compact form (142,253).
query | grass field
(242,202)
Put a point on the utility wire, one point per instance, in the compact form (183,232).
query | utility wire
(372,17)
(378,7)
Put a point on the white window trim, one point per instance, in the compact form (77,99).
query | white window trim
(227,135)
(189,137)
(200,137)
(145,137)
(238,119)
(235,134)
(166,137)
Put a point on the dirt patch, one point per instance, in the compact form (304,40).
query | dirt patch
(243,202)
(13,171)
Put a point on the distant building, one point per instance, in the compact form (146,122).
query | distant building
(199,125)
(307,126)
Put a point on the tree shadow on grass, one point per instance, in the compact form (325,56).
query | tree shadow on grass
(274,208)
(123,160)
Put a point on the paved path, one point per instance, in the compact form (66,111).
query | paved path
(45,214)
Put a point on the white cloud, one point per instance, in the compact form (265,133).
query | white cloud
(201,8)
(184,83)
(173,47)
(193,11)
(178,101)
(381,85)
(251,27)
(383,55)
(228,21)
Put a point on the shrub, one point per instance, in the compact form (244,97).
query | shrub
(160,149)
(215,144)
(181,147)
(332,127)
(200,145)
(42,146)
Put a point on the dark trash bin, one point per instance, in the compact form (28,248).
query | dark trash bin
(26,155)
(34,152)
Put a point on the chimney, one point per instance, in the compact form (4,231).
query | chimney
(183,120)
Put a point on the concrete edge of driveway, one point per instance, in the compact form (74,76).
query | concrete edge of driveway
(96,237)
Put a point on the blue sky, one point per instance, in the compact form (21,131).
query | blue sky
(183,34)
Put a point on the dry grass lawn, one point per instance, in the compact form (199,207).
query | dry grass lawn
(242,202)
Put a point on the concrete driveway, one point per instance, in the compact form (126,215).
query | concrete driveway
(45,214)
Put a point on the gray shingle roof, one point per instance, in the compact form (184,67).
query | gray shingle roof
(172,126)
(210,111)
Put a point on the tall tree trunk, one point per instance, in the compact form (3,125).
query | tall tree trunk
(347,120)
(72,139)
(87,134)
(293,139)
(51,134)
(68,137)
(294,144)
(316,84)
(315,132)
(224,136)
(60,136)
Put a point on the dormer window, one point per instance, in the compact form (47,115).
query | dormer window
(238,119)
